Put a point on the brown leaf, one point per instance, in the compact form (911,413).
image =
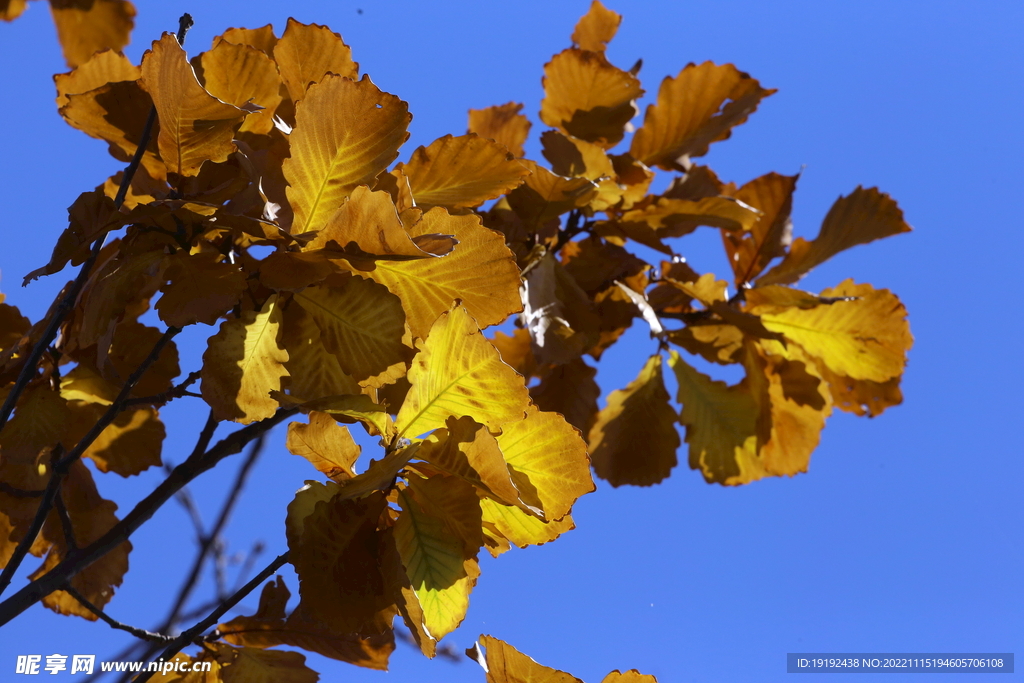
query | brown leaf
(638,414)
(462,172)
(557,313)
(262,38)
(860,396)
(194,125)
(570,390)
(862,216)
(503,124)
(306,53)
(544,196)
(239,75)
(109,66)
(596,265)
(588,98)
(85,27)
(505,664)
(325,444)
(12,9)
(200,288)
(128,446)
(750,251)
(699,106)
(313,371)
(89,218)
(515,351)
(596,28)
(252,665)
(715,343)
(571,157)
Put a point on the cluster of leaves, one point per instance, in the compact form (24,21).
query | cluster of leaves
(368,309)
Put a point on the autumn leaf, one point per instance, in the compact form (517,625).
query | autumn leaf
(128,446)
(521,528)
(459,172)
(200,289)
(505,664)
(503,124)
(243,363)
(858,218)
(325,444)
(588,98)
(596,28)
(569,389)
(457,372)
(545,195)
(240,74)
(313,371)
(639,414)
(346,133)
(750,251)
(108,66)
(262,38)
(195,126)
(85,28)
(571,157)
(306,53)
(699,106)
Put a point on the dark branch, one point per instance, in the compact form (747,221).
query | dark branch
(143,634)
(19,493)
(191,634)
(174,392)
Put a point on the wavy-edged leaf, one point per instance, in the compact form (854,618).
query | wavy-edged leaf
(634,439)
(306,53)
(128,446)
(313,371)
(596,28)
(572,157)
(699,106)
(240,74)
(750,251)
(505,664)
(108,66)
(327,446)
(458,373)
(346,133)
(85,28)
(502,123)
(465,449)
(521,528)
(545,195)
(570,389)
(201,289)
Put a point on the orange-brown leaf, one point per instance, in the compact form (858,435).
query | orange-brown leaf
(503,124)
(109,66)
(596,28)
(86,27)
(308,52)
(240,74)
(325,444)
(750,251)
(201,289)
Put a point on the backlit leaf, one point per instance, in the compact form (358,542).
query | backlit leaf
(86,27)
(858,218)
(572,157)
(457,372)
(325,444)
(252,665)
(544,195)
(128,446)
(109,66)
(570,389)
(313,371)
(202,288)
(699,106)
(505,664)
(462,171)
(240,74)
(503,124)
(634,440)
(346,133)
(243,363)
(750,252)
(596,28)
(521,528)
(306,53)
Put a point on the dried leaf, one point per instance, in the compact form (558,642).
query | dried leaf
(751,251)
(596,28)
(108,66)
(240,75)
(325,444)
(86,27)
(306,53)
(503,124)
(505,664)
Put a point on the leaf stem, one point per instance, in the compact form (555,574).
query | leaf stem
(142,634)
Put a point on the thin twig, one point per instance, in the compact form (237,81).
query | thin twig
(247,565)
(19,493)
(191,634)
(139,515)
(140,633)
(65,522)
(174,392)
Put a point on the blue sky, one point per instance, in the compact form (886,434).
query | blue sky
(906,534)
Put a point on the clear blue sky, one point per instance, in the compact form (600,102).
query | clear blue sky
(906,534)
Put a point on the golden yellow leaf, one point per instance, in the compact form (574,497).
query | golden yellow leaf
(503,124)
(596,28)
(337,557)
(544,196)
(515,350)
(350,408)
(721,425)
(588,98)
(306,53)
(109,66)
(634,439)
(361,323)
(85,28)
(313,371)
(325,444)
(438,535)
(521,528)
(467,450)
(129,445)
(866,338)
(570,389)
(240,74)
(201,288)
(750,251)
(12,9)
(458,373)
(631,676)
(481,272)
(505,664)
(548,461)
(460,172)
(699,106)
(571,157)
(262,38)
(243,363)
(346,133)
(862,216)
(195,126)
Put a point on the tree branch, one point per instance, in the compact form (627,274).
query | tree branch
(191,634)
(140,514)
(143,634)
(174,392)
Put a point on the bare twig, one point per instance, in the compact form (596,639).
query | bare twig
(65,522)
(143,634)
(174,392)
(194,632)
(19,493)
(247,565)
(142,512)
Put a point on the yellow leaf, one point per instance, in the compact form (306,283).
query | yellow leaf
(631,676)
(87,28)
(596,28)
(243,363)
(521,528)
(866,338)
(361,323)
(481,272)
(262,38)
(325,444)
(588,98)
(306,53)
(634,440)
(715,343)
(862,216)
(505,664)
(544,196)
(12,9)
(515,350)
(503,124)
(346,409)
(721,425)
(457,372)
(860,396)
(699,106)
(313,371)
(435,535)
(109,66)
(194,125)
(240,74)
(460,172)
(750,251)
(346,133)
(548,461)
